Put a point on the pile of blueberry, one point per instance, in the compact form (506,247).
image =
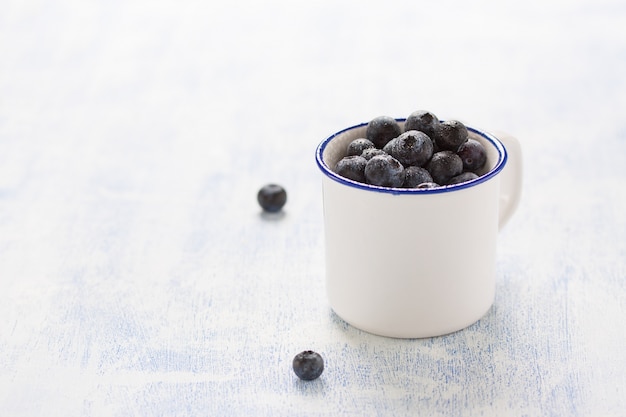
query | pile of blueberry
(426,153)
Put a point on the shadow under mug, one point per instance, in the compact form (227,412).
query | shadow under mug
(413,263)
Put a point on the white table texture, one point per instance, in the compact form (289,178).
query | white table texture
(138,276)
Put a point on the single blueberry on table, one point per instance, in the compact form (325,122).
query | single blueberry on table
(410,148)
(422,120)
(414,176)
(385,171)
(451,134)
(272,197)
(473,155)
(308,365)
(357,146)
(352,167)
(463,177)
(382,129)
(444,165)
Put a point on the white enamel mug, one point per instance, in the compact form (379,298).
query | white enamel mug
(414,263)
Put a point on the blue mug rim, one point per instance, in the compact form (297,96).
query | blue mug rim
(500,163)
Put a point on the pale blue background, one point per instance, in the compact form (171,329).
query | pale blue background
(138,277)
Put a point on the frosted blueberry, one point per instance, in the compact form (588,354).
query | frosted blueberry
(422,120)
(382,129)
(444,165)
(352,167)
(451,134)
(463,177)
(414,176)
(357,146)
(385,171)
(272,197)
(369,153)
(473,155)
(410,148)
(308,365)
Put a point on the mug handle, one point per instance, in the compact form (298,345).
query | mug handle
(510,177)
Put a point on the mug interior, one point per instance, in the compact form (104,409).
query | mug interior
(331,150)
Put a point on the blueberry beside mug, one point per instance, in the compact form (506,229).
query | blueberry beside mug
(414,263)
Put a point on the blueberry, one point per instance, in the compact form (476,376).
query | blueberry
(463,177)
(428,185)
(272,197)
(422,120)
(357,146)
(308,365)
(352,167)
(410,148)
(369,153)
(414,176)
(473,155)
(385,171)
(451,134)
(382,129)
(444,165)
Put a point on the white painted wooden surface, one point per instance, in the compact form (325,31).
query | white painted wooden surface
(139,278)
